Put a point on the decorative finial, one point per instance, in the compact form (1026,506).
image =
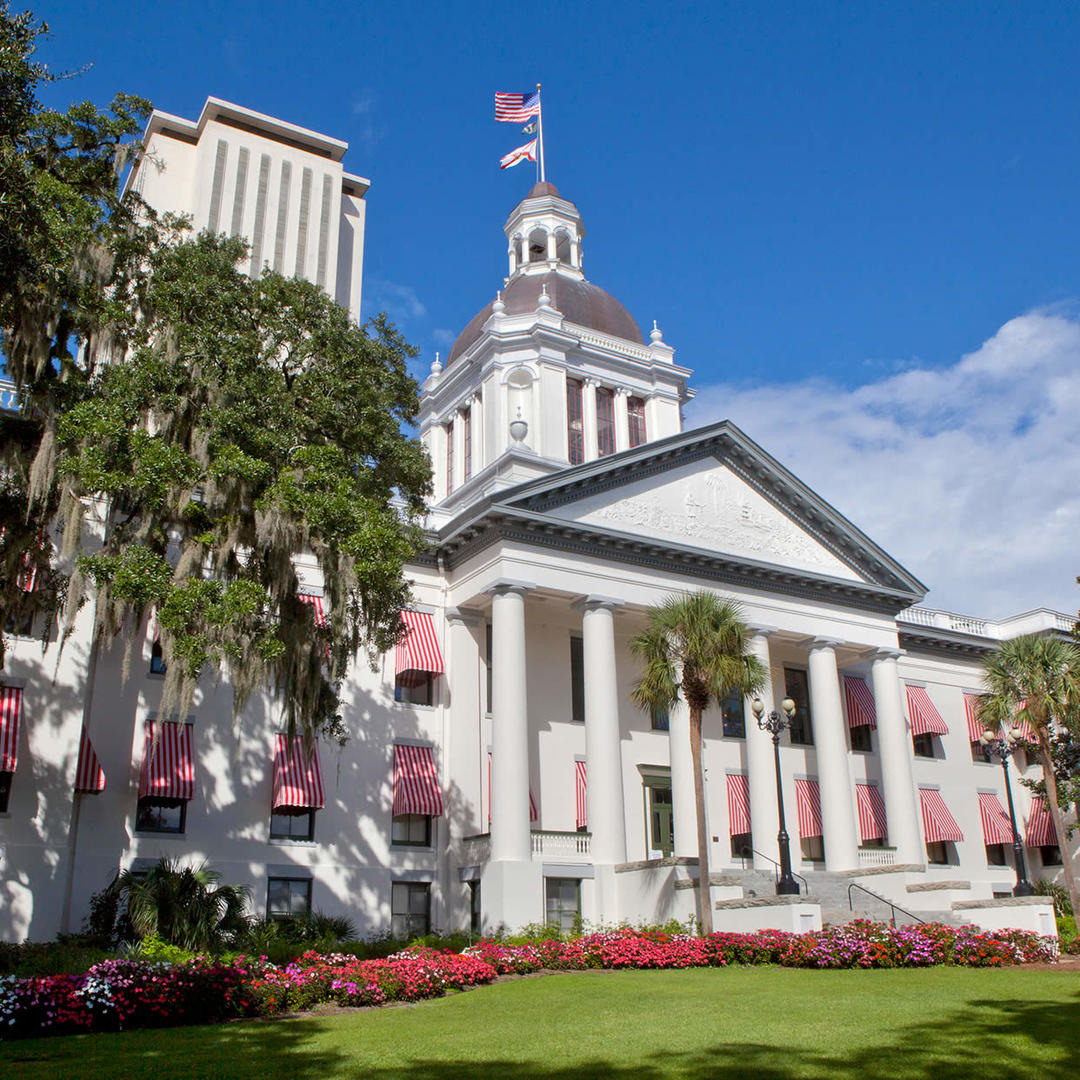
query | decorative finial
(436,367)
(543,300)
(655,334)
(519,428)
(498,307)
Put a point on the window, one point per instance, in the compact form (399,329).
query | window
(661,721)
(860,738)
(487,657)
(20,627)
(813,848)
(605,421)
(287,898)
(414,687)
(449,457)
(5,790)
(475,916)
(577,680)
(563,900)
(995,854)
(938,854)
(980,754)
(923,745)
(635,414)
(734,716)
(742,845)
(292,824)
(575,430)
(157,658)
(1050,855)
(411,830)
(410,909)
(797,687)
(658,806)
(466,438)
(154,814)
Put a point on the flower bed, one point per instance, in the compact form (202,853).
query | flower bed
(118,994)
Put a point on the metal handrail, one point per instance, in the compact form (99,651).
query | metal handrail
(894,908)
(748,853)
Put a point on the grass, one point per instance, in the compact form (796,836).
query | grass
(766,1023)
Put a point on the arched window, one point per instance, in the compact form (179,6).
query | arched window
(562,246)
(537,246)
(635,414)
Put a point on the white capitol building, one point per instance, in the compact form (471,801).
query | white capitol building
(497,772)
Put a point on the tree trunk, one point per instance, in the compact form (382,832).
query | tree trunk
(1059,827)
(704,892)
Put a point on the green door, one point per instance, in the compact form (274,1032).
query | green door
(661,831)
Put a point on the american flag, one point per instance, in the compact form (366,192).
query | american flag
(517,108)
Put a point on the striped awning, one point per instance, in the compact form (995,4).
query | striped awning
(168,768)
(939,826)
(971,711)
(581,786)
(925,719)
(418,648)
(1022,727)
(996,826)
(10,714)
(872,821)
(416,781)
(1040,826)
(861,711)
(318,614)
(297,778)
(534,814)
(808,800)
(89,775)
(738,804)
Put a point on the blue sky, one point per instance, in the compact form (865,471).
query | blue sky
(813,200)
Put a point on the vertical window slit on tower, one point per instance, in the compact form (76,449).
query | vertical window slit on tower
(575,432)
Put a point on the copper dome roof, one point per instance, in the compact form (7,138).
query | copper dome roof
(580,302)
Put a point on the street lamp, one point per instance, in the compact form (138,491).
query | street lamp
(1004,748)
(774,723)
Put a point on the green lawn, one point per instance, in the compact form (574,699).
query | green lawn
(770,1023)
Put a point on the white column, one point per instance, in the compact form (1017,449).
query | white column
(513,258)
(622,419)
(603,751)
(510,837)
(459,449)
(588,417)
(837,802)
(760,766)
(477,428)
(551,247)
(683,810)
(575,253)
(901,813)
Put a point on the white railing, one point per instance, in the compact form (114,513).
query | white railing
(945,620)
(477,849)
(612,344)
(545,842)
(919,615)
(877,856)
(1027,622)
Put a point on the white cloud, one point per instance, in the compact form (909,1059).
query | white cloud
(400,302)
(969,474)
(443,338)
(365,127)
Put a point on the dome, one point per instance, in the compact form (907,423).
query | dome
(580,302)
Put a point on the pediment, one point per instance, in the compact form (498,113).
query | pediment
(704,504)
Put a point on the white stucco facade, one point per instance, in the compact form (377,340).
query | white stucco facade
(539,573)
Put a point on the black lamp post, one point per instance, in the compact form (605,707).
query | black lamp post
(1004,748)
(774,723)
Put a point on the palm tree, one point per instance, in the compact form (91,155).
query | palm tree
(1040,675)
(185,905)
(696,644)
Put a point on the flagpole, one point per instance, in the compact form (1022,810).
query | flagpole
(540,131)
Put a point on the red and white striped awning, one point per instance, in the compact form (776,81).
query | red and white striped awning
(861,711)
(1022,727)
(89,775)
(939,826)
(416,781)
(971,711)
(318,614)
(738,804)
(10,714)
(925,719)
(581,785)
(168,768)
(808,800)
(418,648)
(297,778)
(996,827)
(534,814)
(872,821)
(1040,826)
